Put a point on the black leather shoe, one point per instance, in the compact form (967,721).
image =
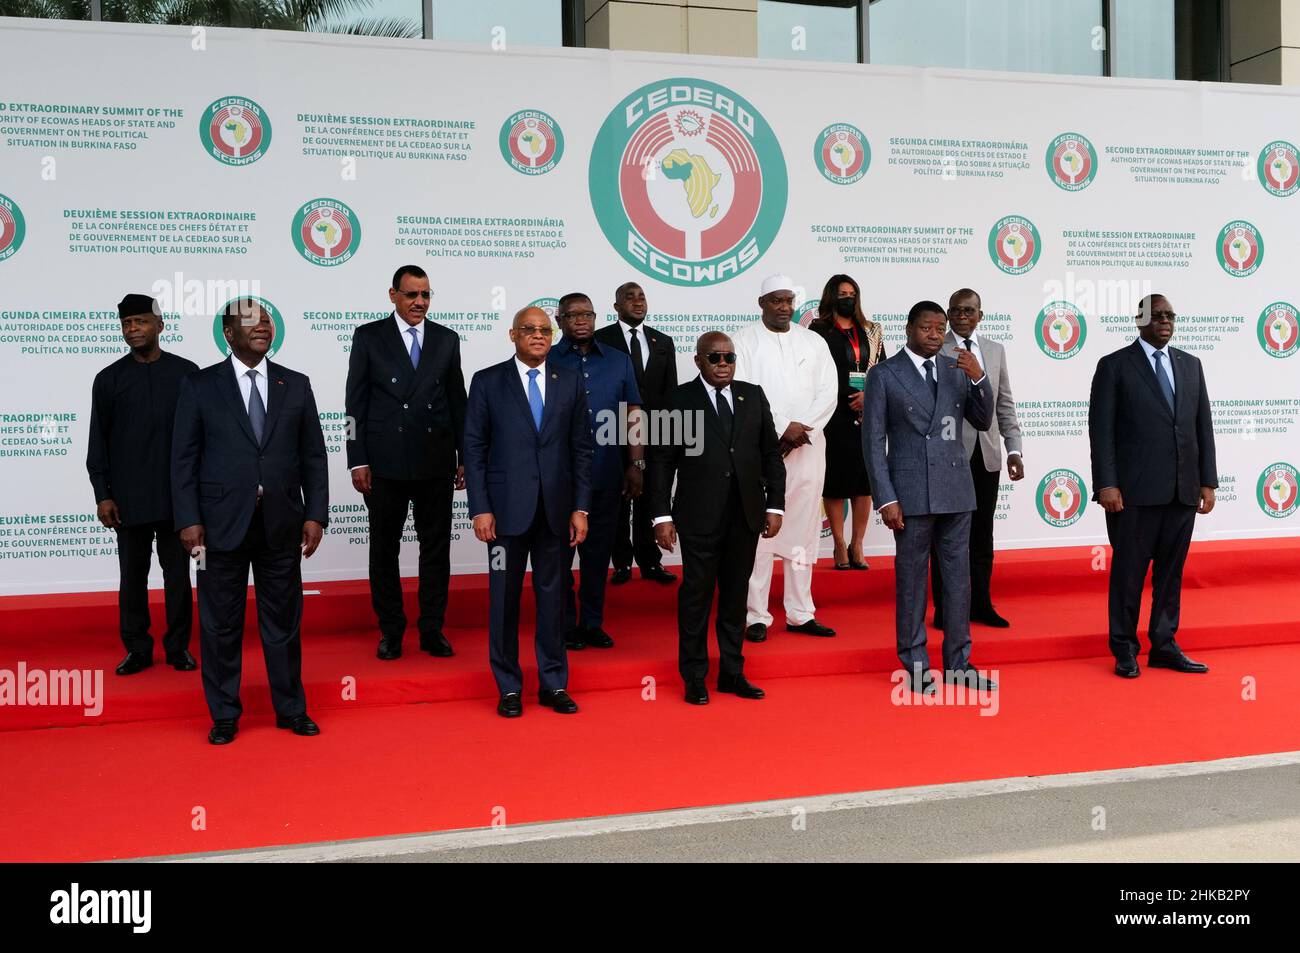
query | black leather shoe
(298,724)
(574,641)
(134,662)
(436,645)
(970,677)
(811,627)
(990,618)
(1179,663)
(597,638)
(389,649)
(510,706)
(558,701)
(1127,667)
(696,693)
(620,576)
(659,574)
(183,662)
(740,686)
(920,683)
(756,632)
(223,732)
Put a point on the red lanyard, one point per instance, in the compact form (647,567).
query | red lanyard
(851,334)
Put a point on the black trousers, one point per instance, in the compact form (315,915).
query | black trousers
(635,539)
(1142,537)
(981,541)
(388,503)
(507,559)
(134,552)
(223,590)
(720,561)
(592,555)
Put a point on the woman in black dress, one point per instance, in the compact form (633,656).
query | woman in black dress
(857,345)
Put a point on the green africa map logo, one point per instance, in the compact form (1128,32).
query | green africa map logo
(1279,329)
(688,182)
(220,338)
(13,227)
(1061,498)
(1279,168)
(842,153)
(235,131)
(1276,490)
(1071,161)
(326,232)
(531,141)
(1014,244)
(1060,330)
(552,307)
(1240,249)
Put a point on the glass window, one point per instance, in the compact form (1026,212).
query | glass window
(1014,35)
(46,9)
(807,31)
(1143,39)
(399,18)
(523,22)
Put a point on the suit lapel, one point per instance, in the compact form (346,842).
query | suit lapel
(1182,386)
(905,371)
(228,386)
(275,388)
(392,342)
(711,411)
(1143,366)
(427,347)
(515,385)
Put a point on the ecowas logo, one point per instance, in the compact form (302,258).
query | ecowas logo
(1071,161)
(326,232)
(806,313)
(276,342)
(1060,330)
(1277,490)
(1061,498)
(688,182)
(531,141)
(842,153)
(13,227)
(235,131)
(1240,249)
(1279,329)
(552,308)
(1014,244)
(1279,168)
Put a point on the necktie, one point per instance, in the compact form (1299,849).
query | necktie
(724,413)
(638,359)
(929,376)
(966,341)
(1166,385)
(415,346)
(256,409)
(535,398)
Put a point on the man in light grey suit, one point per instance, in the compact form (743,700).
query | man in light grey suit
(912,440)
(984,448)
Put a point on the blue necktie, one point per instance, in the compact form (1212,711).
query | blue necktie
(1166,386)
(415,347)
(535,398)
(930,378)
(256,409)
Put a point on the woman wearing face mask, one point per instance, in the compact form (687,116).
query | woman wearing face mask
(856,344)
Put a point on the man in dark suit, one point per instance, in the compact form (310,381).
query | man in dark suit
(734,489)
(1154,469)
(132,408)
(654,361)
(528,452)
(915,404)
(250,486)
(406,402)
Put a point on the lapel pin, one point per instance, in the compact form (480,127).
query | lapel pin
(738,397)
(555,377)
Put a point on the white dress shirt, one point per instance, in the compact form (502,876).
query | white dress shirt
(523,370)
(246,387)
(713,399)
(627,339)
(1151,359)
(404,329)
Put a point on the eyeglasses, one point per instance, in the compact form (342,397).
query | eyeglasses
(717,357)
(412,295)
(964,311)
(570,315)
(1163,316)
(528,330)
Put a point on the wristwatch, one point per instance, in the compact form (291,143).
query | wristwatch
(639,464)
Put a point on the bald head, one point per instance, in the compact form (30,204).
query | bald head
(715,357)
(532,311)
(712,341)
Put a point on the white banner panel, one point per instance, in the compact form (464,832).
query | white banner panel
(305,168)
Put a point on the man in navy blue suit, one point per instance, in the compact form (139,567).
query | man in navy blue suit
(527,455)
(250,486)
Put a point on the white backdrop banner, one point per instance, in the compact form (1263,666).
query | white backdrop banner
(304,169)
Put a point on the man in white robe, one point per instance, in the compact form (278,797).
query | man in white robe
(797,373)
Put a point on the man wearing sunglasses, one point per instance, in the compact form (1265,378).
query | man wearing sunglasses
(405,402)
(729,492)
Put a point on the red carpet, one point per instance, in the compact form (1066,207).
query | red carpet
(386,765)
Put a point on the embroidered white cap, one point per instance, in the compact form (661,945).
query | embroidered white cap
(776,283)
